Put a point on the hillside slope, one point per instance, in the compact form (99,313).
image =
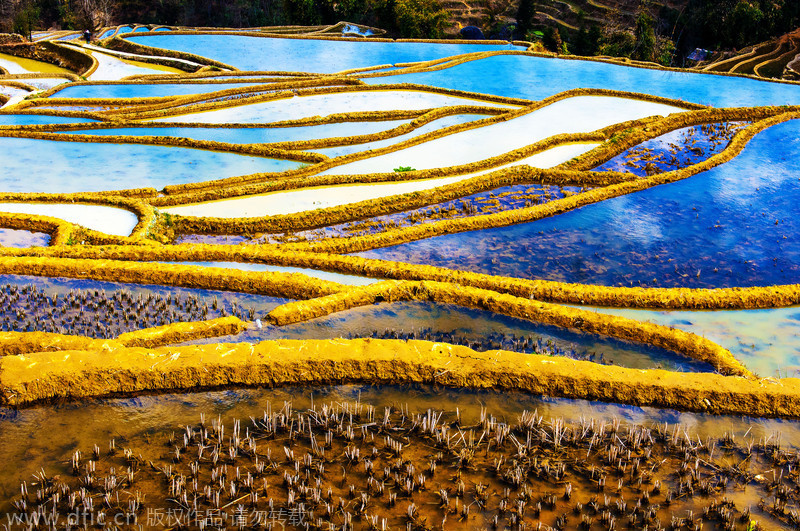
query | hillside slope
(776,58)
(564,14)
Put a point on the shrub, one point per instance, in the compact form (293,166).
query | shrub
(421,19)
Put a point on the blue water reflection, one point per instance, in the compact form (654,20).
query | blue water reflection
(480,330)
(731,226)
(536,78)
(133,90)
(306,55)
(86,167)
(253,135)
(35,119)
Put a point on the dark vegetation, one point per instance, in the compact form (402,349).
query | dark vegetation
(409,18)
(662,32)
(657,32)
(718,24)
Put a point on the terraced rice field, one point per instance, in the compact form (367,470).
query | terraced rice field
(451,285)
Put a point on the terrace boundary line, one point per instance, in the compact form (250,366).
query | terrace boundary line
(558,206)
(685,343)
(45,376)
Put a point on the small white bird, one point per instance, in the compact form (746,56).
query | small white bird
(258,323)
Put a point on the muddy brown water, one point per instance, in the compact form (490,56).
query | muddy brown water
(47,437)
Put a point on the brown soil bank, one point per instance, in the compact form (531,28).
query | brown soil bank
(112,370)
(49,52)
(688,344)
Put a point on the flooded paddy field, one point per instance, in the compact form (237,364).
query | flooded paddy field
(539,77)
(101,218)
(401,455)
(35,119)
(252,135)
(498,200)
(675,150)
(84,167)
(250,281)
(108,309)
(729,226)
(477,329)
(300,107)
(765,340)
(137,91)
(23,238)
(352,280)
(247,53)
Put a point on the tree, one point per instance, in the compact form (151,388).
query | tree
(735,24)
(525,13)
(618,44)
(350,10)
(645,47)
(421,19)
(587,42)
(595,36)
(301,12)
(25,18)
(581,41)
(93,13)
(552,40)
(744,23)
(380,13)
(665,51)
